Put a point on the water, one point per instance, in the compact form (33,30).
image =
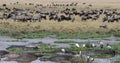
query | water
(98,60)
(8,62)
(38,61)
(5,41)
(35,61)
(107,60)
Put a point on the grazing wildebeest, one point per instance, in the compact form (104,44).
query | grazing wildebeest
(67,12)
(36,17)
(1,17)
(68,18)
(103,26)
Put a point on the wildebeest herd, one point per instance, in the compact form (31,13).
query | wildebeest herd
(38,13)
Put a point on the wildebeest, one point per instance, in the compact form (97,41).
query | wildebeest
(68,18)
(67,12)
(103,26)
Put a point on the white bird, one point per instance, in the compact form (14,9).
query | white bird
(88,57)
(63,50)
(77,45)
(109,47)
(84,45)
(101,43)
(80,52)
(93,45)
(92,59)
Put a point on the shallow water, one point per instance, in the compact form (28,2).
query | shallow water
(107,60)
(8,62)
(36,61)
(8,41)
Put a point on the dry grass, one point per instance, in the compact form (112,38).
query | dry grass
(65,26)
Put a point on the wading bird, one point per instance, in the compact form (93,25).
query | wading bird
(77,45)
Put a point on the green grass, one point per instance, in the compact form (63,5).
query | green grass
(59,35)
(17,40)
(116,48)
(16,50)
(117,61)
(101,56)
(67,42)
(47,55)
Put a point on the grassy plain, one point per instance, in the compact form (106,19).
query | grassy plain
(65,29)
(77,29)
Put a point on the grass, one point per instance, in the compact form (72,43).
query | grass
(117,48)
(60,30)
(101,56)
(16,50)
(17,40)
(67,42)
(47,55)
(117,61)
(59,35)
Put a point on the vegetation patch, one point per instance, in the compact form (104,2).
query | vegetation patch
(17,40)
(117,61)
(116,48)
(67,41)
(48,55)
(16,50)
(88,29)
(101,55)
(59,35)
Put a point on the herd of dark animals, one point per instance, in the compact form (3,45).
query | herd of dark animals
(68,14)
